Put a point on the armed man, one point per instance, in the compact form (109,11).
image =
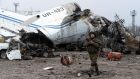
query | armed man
(93,46)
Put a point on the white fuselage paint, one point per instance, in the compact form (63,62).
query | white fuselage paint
(49,24)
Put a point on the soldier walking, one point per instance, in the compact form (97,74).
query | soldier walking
(93,45)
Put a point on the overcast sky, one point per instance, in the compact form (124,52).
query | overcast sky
(107,8)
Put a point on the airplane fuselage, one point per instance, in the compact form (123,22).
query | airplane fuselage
(49,24)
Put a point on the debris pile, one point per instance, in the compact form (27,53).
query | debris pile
(27,46)
(114,56)
(66,60)
(40,43)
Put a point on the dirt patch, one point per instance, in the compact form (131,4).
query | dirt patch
(127,68)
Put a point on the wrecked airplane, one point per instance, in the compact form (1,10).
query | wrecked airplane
(42,32)
(114,35)
(35,32)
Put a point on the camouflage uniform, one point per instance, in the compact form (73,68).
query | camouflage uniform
(93,46)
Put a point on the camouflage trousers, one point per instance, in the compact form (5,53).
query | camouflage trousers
(94,66)
(93,56)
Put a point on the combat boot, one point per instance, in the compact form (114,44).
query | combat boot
(92,68)
(96,69)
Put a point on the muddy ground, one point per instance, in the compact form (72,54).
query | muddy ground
(127,68)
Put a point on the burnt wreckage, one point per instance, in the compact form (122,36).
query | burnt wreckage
(73,29)
(33,44)
(37,44)
(114,35)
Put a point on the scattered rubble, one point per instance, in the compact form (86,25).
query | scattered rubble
(34,68)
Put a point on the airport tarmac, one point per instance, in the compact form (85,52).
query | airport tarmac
(127,68)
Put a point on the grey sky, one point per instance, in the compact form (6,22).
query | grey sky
(106,8)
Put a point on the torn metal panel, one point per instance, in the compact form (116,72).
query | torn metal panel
(13,54)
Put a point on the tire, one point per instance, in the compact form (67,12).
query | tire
(3,55)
